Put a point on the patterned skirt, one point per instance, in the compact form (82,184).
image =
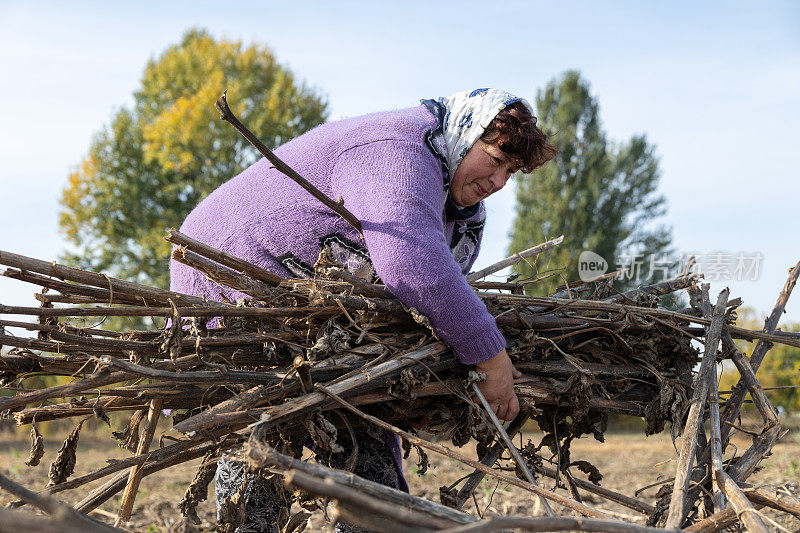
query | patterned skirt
(265,502)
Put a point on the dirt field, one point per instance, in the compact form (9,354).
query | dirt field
(627,460)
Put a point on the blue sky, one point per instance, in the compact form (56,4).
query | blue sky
(715,86)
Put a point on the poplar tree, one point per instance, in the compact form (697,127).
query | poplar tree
(600,195)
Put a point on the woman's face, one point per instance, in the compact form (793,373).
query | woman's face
(483,171)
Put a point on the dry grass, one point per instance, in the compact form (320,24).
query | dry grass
(627,460)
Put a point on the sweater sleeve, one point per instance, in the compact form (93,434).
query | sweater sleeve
(395,188)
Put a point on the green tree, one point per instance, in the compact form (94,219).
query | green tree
(600,195)
(154,162)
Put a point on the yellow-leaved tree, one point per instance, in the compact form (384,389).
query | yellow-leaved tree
(155,161)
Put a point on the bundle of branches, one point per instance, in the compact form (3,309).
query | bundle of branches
(270,369)
(296,349)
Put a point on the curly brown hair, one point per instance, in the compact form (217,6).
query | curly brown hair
(515,132)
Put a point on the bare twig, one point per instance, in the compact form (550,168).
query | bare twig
(715,444)
(227,115)
(60,511)
(689,443)
(562,523)
(514,259)
(744,508)
(135,475)
(261,455)
(96,280)
(254,271)
(222,274)
(19,521)
(748,377)
(275,415)
(510,445)
(328,488)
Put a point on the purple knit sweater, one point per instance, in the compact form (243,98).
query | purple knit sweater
(393,182)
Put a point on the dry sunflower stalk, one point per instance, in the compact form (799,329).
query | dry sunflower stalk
(581,358)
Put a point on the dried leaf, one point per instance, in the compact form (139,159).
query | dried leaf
(406,447)
(331,339)
(283,516)
(308,502)
(64,464)
(323,433)
(37,446)
(129,437)
(588,468)
(297,522)
(448,496)
(409,380)
(423,463)
(659,516)
(198,490)
(98,411)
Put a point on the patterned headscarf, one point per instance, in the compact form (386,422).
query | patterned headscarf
(462,119)
(467,114)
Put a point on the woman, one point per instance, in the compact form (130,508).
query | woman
(416,179)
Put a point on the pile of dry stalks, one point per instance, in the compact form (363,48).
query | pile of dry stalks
(302,361)
(283,361)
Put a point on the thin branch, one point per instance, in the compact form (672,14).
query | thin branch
(490,459)
(693,422)
(510,445)
(747,513)
(61,511)
(514,259)
(227,115)
(135,474)
(254,271)
(562,523)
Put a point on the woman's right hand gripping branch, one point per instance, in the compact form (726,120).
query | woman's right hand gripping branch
(498,387)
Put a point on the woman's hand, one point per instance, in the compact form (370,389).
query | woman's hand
(498,387)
